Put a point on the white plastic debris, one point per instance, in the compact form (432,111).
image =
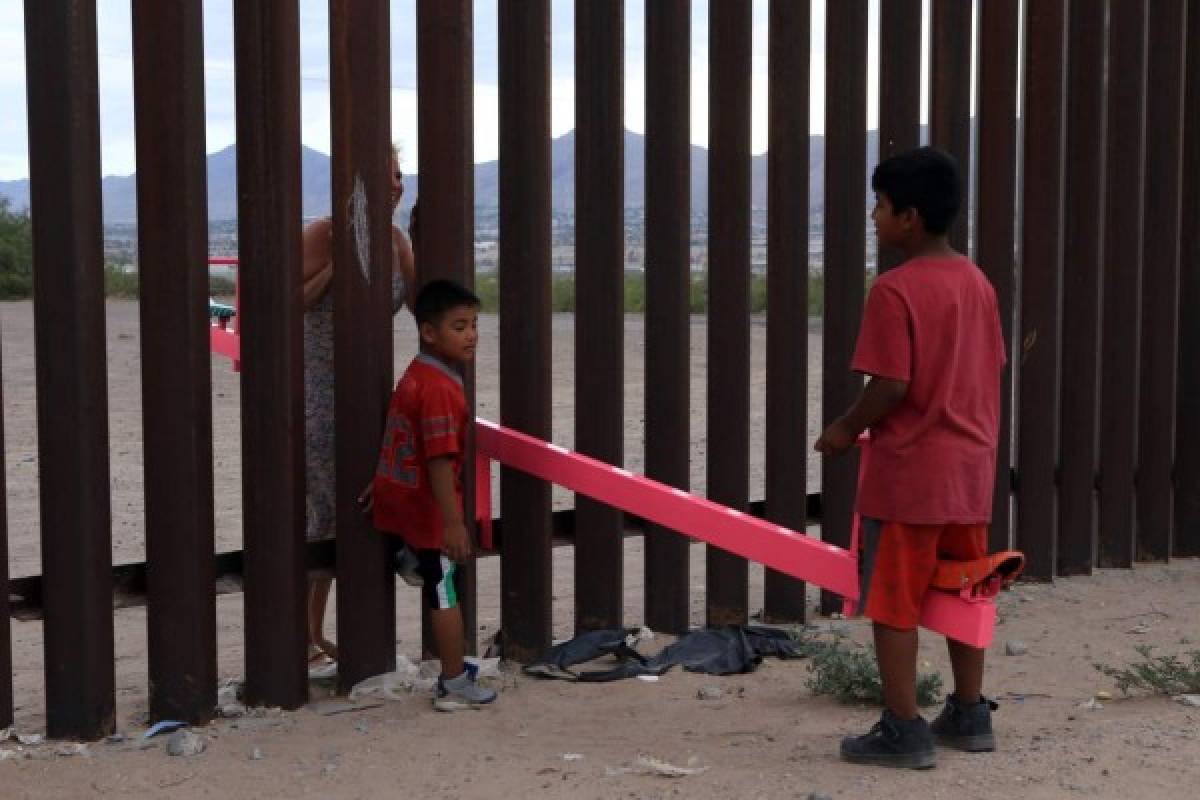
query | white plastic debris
(1092,704)
(407,677)
(648,678)
(1192,700)
(30,739)
(651,765)
(572,756)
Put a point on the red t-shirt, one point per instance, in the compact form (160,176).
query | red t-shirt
(427,418)
(933,323)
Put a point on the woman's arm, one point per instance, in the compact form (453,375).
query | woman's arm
(405,263)
(317,252)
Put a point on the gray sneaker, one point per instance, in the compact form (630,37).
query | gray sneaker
(461,693)
(966,726)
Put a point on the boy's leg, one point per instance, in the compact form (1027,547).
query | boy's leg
(896,651)
(966,721)
(318,597)
(456,687)
(448,636)
(967,664)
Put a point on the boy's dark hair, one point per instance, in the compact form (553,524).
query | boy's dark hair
(925,179)
(439,296)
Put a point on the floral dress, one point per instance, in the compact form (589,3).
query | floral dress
(321,510)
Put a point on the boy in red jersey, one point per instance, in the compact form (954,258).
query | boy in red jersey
(417,493)
(932,347)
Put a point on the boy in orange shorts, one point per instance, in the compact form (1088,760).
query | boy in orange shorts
(932,348)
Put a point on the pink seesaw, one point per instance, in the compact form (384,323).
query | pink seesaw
(965,616)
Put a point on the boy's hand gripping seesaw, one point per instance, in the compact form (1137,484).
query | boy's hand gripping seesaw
(967,614)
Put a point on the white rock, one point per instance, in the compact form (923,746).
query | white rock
(185,743)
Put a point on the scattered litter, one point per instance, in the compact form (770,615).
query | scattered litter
(1192,700)
(255,755)
(1015,647)
(648,678)
(572,756)
(5,734)
(1092,704)
(232,710)
(230,691)
(407,677)
(164,726)
(330,708)
(1141,627)
(484,667)
(323,672)
(362,726)
(650,765)
(73,749)
(185,743)
(710,693)
(5,755)
(30,739)
(642,634)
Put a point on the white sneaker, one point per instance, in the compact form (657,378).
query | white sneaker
(405,564)
(461,693)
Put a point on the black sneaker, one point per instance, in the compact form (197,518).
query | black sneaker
(966,726)
(892,742)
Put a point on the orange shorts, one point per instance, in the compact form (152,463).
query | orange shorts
(896,562)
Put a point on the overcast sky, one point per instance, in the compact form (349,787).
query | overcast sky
(116,77)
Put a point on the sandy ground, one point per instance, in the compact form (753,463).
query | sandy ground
(766,737)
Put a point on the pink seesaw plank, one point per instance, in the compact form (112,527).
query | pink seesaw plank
(782,549)
(226,342)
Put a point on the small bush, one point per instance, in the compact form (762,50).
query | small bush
(119,283)
(1170,674)
(850,673)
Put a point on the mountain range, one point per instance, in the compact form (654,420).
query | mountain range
(120,192)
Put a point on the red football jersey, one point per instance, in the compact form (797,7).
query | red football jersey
(427,418)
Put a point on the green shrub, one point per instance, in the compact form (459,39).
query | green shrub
(850,673)
(1171,674)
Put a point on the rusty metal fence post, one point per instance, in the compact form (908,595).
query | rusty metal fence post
(950,103)
(668,193)
(1125,148)
(845,253)
(362,320)
(172,202)
(1187,390)
(6,686)
(525,567)
(599,300)
(1166,25)
(267,51)
(730,29)
(1041,277)
(899,88)
(790,46)
(72,404)
(995,217)
(1082,239)
(444,124)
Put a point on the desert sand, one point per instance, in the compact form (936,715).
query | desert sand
(765,736)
